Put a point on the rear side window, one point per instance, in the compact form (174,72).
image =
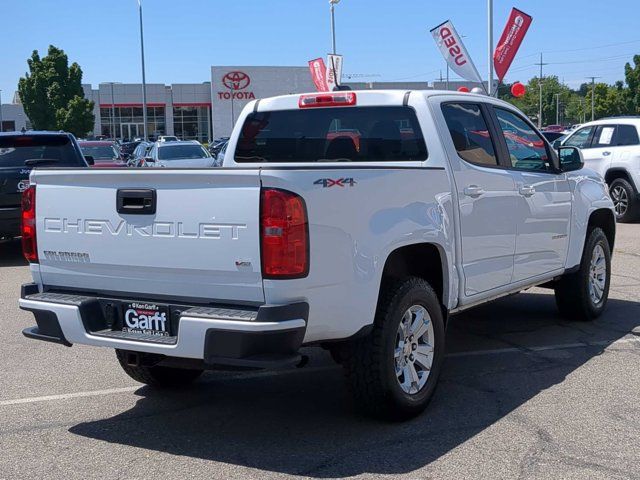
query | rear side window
(56,150)
(627,135)
(336,134)
(469,133)
(604,136)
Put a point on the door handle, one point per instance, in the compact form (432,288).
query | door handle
(527,190)
(136,201)
(606,153)
(473,191)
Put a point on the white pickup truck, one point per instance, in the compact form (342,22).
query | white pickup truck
(357,221)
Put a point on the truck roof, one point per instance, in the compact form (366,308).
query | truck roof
(34,133)
(366,98)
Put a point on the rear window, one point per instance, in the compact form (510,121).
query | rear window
(100,152)
(57,149)
(337,134)
(181,152)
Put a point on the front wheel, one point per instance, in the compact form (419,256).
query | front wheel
(583,295)
(624,200)
(393,371)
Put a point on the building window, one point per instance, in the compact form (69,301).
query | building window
(128,122)
(191,123)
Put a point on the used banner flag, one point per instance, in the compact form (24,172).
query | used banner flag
(454,51)
(509,43)
(334,71)
(319,74)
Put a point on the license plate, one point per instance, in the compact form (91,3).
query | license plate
(147,318)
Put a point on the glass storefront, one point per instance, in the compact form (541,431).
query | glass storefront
(128,122)
(191,123)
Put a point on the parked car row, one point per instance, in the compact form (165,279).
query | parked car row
(168,151)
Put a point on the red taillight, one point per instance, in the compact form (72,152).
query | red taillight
(29,244)
(336,99)
(284,234)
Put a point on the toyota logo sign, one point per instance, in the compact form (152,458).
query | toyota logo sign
(236,80)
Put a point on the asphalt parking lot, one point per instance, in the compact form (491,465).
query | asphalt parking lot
(523,394)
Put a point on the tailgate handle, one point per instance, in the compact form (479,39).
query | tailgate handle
(136,201)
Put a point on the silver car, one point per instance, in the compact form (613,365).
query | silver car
(185,154)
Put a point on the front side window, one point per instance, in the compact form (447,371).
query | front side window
(580,139)
(335,134)
(469,133)
(527,149)
(627,135)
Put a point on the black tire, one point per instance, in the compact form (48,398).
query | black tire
(572,291)
(624,198)
(160,377)
(369,362)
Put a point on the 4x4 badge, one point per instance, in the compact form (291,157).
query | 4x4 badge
(331,182)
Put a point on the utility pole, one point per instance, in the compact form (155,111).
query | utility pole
(540,85)
(490,46)
(593,97)
(1,111)
(144,82)
(447,84)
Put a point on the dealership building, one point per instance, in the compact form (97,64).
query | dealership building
(198,111)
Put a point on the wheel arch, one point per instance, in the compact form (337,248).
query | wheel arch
(618,172)
(604,219)
(424,260)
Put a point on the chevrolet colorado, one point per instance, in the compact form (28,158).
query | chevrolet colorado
(357,221)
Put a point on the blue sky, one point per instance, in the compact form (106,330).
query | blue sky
(391,38)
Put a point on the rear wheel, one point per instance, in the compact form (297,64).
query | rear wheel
(393,371)
(583,295)
(624,200)
(162,377)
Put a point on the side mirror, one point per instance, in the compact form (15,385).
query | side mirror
(89,159)
(570,159)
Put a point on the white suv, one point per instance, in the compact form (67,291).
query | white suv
(611,147)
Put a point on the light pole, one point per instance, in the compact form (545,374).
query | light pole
(144,82)
(490,46)
(113,111)
(1,111)
(333,25)
(557,95)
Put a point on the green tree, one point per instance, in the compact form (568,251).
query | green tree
(530,102)
(52,96)
(632,77)
(610,100)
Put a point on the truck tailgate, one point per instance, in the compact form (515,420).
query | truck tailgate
(202,242)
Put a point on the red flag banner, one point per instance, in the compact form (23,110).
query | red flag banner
(509,43)
(319,74)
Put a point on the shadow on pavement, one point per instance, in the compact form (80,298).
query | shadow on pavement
(11,254)
(303,423)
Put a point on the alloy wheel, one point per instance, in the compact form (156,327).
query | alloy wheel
(597,274)
(413,353)
(620,200)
